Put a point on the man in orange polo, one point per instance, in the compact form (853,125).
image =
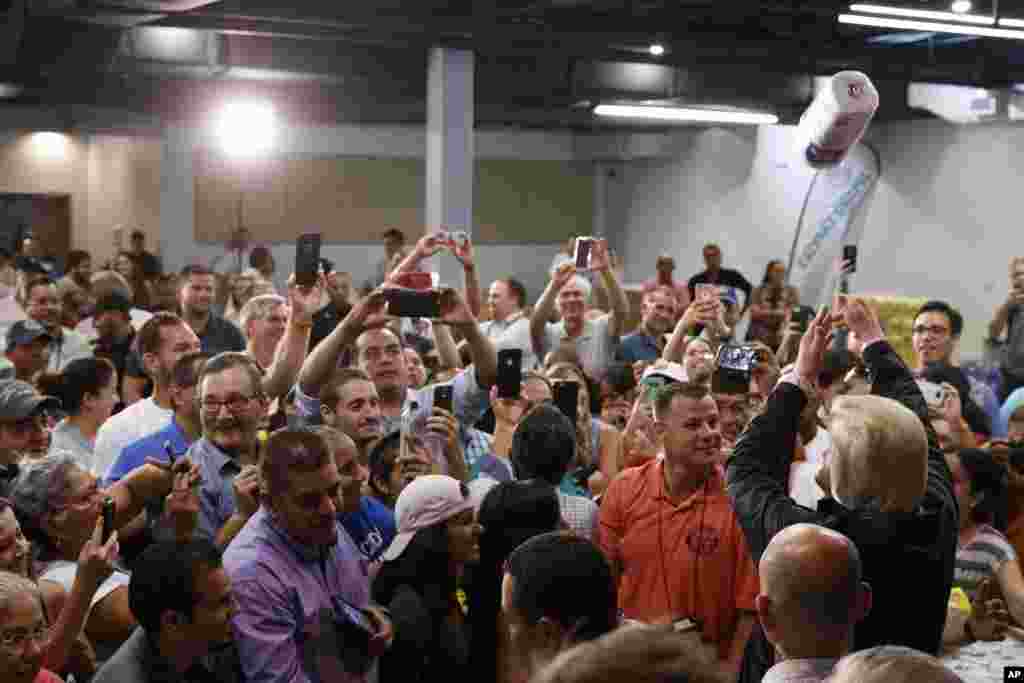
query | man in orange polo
(670,532)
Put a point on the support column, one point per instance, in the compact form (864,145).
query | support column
(450,157)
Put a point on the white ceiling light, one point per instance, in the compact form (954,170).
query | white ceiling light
(246,128)
(923,14)
(684,114)
(961,6)
(1019,23)
(931,26)
(657,49)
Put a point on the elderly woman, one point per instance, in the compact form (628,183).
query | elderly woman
(65,651)
(59,503)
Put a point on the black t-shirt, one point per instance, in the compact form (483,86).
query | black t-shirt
(324,322)
(220,335)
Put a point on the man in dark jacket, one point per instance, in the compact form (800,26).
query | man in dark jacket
(890,490)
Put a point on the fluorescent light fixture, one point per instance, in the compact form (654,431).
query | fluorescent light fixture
(657,49)
(961,6)
(246,128)
(48,144)
(930,26)
(922,14)
(684,114)
(1005,21)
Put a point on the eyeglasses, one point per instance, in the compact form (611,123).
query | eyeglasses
(17,638)
(235,404)
(934,330)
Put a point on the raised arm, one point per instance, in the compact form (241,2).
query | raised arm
(291,350)
(427,246)
(546,306)
(617,300)
(447,350)
(464,252)
(456,313)
(699,312)
(320,364)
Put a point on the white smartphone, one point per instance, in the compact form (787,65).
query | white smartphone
(934,394)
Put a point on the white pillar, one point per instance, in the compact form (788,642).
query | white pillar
(450,157)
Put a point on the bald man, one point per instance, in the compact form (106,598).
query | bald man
(892,664)
(811,596)
(890,491)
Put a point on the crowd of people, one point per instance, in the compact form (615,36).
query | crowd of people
(205,479)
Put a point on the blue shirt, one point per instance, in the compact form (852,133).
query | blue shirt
(152,446)
(372,527)
(216,492)
(638,346)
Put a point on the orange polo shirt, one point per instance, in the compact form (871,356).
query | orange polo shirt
(689,560)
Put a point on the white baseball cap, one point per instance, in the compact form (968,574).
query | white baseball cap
(426,501)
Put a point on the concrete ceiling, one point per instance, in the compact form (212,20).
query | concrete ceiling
(539,64)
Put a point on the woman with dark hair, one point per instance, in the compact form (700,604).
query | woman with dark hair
(984,556)
(87,389)
(125,265)
(510,514)
(771,305)
(437,537)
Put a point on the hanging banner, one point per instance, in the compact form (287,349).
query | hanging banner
(833,216)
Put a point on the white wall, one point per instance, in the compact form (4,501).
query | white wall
(739,188)
(528,262)
(945,217)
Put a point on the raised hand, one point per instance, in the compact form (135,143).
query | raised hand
(371,311)
(463,252)
(182,504)
(305,301)
(599,260)
(444,423)
(429,245)
(861,320)
(989,617)
(247,490)
(563,275)
(454,309)
(811,358)
(96,561)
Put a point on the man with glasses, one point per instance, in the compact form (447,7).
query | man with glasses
(232,408)
(936,334)
(24,632)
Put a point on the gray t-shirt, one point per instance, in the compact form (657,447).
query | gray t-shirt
(595,346)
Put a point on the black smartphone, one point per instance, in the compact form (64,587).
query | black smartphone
(850,254)
(413,303)
(1017,455)
(510,373)
(108,518)
(169,450)
(307,259)
(566,397)
(802,316)
(443,397)
(734,367)
(583,246)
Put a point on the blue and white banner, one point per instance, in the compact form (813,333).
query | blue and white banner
(833,217)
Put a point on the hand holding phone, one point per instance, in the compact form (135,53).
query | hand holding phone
(566,398)
(705,293)
(510,373)
(411,303)
(582,255)
(850,258)
(443,397)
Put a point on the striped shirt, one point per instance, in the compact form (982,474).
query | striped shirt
(981,559)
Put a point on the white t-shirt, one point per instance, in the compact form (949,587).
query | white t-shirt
(140,419)
(63,572)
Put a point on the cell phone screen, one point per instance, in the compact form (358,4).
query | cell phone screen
(510,373)
(583,245)
(850,254)
(566,397)
(409,303)
(307,259)
(443,397)
(108,518)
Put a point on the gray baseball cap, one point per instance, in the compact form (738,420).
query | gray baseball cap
(25,332)
(19,400)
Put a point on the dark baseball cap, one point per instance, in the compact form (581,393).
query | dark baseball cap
(25,332)
(114,301)
(19,400)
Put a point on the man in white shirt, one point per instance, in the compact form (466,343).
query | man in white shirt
(811,597)
(163,340)
(509,328)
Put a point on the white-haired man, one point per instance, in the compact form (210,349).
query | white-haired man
(595,340)
(890,490)
(891,664)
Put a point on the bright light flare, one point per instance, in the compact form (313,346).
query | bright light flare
(49,144)
(246,128)
(657,49)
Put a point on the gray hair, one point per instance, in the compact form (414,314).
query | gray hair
(12,584)
(258,308)
(39,486)
(892,664)
(227,360)
(584,286)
